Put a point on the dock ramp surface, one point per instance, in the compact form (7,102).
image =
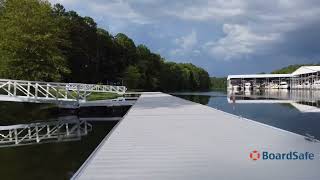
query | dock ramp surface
(164,137)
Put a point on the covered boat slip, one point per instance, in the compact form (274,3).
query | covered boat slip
(165,137)
(306,77)
(305,101)
(300,95)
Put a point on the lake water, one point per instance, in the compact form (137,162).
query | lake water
(60,157)
(297,111)
(56,156)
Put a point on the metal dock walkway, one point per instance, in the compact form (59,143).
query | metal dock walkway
(165,137)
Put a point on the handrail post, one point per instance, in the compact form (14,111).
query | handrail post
(78,93)
(29,132)
(48,89)
(67,129)
(28,89)
(57,92)
(67,94)
(48,131)
(36,91)
(15,88)
(15,136)
(9,88)
(37,134)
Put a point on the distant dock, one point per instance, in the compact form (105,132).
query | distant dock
(165,137)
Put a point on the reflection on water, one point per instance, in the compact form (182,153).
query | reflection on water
(69,128)
(51,160)
(41,141)
(305,101)
(20,112)
(296,110)
(196,98)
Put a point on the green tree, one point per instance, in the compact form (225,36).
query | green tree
(125,41)
(81,54)
(132,77)
(30,39)
(127,48)
(39,42)
(218,83)
(149,65)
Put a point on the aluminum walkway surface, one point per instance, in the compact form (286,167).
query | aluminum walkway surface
(165,137)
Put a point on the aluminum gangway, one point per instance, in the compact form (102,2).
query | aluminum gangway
(36,91)
(61,130)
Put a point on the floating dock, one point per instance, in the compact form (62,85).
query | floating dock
(165,137)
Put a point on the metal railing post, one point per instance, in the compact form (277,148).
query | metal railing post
(37,134)
(67,129)
(57,92)
(78,93)
(15,88)
(48,131)
(28,89)
(47,93)
(29,132)
(9,88)
(36,91)
(16,136)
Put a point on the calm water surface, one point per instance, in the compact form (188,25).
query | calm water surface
(295,111)
(57,158)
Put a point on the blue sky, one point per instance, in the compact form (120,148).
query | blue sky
(222,36)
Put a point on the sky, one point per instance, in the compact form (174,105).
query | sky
(222,36)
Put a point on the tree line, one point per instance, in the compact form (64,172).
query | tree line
(218,83)
(291,68)
(48,43)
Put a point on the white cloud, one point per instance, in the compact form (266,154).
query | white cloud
(208,10)
(64,2)
(238,41)
(249,27)
(188,41)
(118,9)
(185,43)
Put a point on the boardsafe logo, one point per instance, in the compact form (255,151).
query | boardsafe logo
(291,155)
(254,155)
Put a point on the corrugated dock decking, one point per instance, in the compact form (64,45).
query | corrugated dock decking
(165,137)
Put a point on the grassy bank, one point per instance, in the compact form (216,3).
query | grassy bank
(102,96)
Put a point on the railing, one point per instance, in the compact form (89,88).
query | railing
(15,90)
(44,132)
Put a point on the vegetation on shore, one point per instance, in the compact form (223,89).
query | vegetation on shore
(44,42)
(291,68)
(218,83)
(102,96)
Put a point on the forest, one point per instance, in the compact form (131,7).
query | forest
(45,42)
(218,83)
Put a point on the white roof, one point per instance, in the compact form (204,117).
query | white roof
(301,70)
(306,69)
(244,76)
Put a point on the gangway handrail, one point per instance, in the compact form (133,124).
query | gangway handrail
(63,83)
(24,90)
